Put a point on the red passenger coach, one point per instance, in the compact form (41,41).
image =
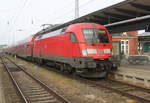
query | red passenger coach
(84,48)
(24,48)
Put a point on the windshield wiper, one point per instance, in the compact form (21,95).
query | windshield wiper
(94,37)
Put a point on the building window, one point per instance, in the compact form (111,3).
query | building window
(125,47)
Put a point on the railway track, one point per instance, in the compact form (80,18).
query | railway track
(31,89)
(137,93)
(140,94)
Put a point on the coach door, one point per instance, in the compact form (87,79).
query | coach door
(38,46)
(28,49)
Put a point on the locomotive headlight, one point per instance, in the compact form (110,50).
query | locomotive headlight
(84,52)
(107,51)
(92,51)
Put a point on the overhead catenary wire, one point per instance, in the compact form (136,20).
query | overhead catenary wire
(58,17)
(85,4)
(18,14)
(71,11)
(15,20)
(62,9)
(21,9)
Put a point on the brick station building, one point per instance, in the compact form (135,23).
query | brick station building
(125,43)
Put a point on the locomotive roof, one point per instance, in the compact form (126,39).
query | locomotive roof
(124,16)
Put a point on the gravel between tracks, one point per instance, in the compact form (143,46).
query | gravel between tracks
(72,89)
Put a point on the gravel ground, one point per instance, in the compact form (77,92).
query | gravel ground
(72,89)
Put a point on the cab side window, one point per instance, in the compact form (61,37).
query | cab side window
(73,38)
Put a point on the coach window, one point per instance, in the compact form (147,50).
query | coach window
(73,37)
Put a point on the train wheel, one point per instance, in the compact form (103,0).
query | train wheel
(39,61)
(69,69)
(62,67)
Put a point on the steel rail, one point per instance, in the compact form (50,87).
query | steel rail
(14,81)
(141,88)
(61,98)
(98,85)
(53,92)
(141,99)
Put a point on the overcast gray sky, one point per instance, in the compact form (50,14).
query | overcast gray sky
(21,18)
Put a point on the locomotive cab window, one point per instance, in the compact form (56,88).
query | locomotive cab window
(94,35)
(73,38)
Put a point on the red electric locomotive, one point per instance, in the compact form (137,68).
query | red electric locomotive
(84,48)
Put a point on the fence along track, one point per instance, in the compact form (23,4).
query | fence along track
(31,89)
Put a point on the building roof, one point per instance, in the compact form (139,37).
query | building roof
(145,37)
(145,34)
(121,35)
(133,14)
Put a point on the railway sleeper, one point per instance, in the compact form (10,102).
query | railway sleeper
(35,93)
(35,87)
(37,90)
(40,96)
(43,99)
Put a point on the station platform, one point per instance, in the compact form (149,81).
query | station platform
(134,74)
